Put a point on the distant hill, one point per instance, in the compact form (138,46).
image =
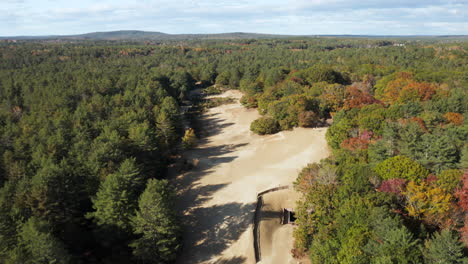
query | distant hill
(121,35)
(148,35)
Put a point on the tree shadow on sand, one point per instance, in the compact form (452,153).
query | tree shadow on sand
(190,192)
(210,126)
(208,231)
(211,230)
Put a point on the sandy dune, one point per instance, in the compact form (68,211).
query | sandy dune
(218,197)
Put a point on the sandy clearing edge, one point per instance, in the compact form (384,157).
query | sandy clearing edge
(218,197)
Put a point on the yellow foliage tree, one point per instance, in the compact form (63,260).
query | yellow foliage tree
(190,139)
(427,202)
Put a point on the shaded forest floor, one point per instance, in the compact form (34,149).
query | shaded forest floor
(217,197)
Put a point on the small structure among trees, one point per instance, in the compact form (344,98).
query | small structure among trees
(289,217)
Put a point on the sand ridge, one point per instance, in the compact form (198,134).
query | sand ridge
(218,196)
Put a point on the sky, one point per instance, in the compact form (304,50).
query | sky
(297,17)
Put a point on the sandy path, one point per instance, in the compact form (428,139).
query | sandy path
(218,197)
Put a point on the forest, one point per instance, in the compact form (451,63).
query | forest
(89,128)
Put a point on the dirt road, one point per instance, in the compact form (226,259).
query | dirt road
(218,196)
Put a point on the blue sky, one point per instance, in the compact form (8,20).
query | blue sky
(375,17)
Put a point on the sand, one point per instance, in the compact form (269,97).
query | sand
(275,238)
(217,198)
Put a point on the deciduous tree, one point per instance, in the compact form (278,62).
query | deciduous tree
(426,202)
(401,167)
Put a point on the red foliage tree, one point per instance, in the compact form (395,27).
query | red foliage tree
(308,119)
(366,135)
(355,143)
(360,142)
(464,231)
(395,186)
(431,178)
(405,75)
(355,98)
(420,122)
(297,80)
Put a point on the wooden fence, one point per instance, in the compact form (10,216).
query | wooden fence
(257,216)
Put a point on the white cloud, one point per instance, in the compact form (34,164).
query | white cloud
(21,17)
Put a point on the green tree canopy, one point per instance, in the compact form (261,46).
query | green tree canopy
(38,245)
(401,167)
(264,125)
(444,248)
(116,200)
(156,224)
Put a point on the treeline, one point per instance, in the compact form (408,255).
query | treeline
(88,128)
(85,138)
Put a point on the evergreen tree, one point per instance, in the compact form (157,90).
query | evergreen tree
(38,245)
(8,230)
(58,193)
(390,241)
(442,154)
(444,248)
(116,200)
(156,224)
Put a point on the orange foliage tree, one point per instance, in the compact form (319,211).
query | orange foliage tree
(404,88)
(416,91)
(392,90)
(454,118)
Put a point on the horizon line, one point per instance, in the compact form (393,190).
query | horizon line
(233,32)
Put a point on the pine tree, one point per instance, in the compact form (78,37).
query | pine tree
(443,153)
(7,223)
(38,246)
(117,197)
(391,242)
(444,248)
(58,192)
(156,224)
